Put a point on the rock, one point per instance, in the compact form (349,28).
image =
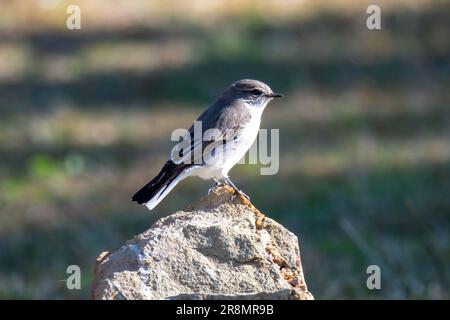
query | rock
(218,248)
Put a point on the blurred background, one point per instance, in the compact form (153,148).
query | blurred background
(86,116)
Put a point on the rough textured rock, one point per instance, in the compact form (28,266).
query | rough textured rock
(218,248)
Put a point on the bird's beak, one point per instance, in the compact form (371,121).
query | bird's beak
(274,95)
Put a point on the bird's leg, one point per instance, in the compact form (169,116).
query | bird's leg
(236,190)
(217,182)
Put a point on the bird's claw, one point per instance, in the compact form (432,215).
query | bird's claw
(217,183)
(239,192)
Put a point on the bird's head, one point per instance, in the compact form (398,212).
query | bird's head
(255,93)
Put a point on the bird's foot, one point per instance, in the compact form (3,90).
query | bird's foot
(239,193)
(216,184)
(236,191)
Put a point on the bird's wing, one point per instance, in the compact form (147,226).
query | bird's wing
(220,128)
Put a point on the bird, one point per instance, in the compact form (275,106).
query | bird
(233,122)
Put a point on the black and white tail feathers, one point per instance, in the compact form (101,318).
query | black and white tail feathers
(153,192)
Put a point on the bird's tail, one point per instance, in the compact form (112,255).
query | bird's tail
(154,192)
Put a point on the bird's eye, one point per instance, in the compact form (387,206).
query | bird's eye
(256,92)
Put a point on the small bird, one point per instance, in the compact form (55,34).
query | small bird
(233,121)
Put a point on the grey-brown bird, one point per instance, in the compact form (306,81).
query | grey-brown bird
(233,121)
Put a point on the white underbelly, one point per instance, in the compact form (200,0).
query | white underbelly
(234,152)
